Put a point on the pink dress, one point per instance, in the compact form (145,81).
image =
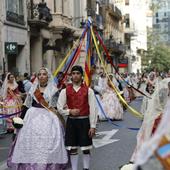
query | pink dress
(12,104)
(111,105)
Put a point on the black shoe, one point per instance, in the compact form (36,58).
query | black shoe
(85,169)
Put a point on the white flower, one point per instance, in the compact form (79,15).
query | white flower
(17,120)
(127,167)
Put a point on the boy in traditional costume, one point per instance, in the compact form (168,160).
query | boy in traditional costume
(82,117)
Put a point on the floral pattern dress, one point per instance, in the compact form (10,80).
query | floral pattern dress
(111,105)
(12,104)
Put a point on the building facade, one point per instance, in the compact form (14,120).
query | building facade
(135,24)
(107,20)
(52,38)
(14,37)
(114,34)
(161,20)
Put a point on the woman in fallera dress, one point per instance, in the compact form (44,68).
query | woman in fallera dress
(110,101)
(152,115)
(39,144)
(11,99)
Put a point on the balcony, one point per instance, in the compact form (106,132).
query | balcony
(14,17)
(39,15)
(62,26)
(115,47)
(60,22)
(123,62)
(129,31)
(114,11)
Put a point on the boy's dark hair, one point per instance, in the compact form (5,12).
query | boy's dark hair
(26,75)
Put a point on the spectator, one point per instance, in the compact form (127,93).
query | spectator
(26,82)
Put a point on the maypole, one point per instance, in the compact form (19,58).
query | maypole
(133,111)
(69,61)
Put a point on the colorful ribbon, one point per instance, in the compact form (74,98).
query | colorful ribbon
(68,54)
(9,115)
(88,58)
(72,58)
(111,62)
(133,111)
(9,107)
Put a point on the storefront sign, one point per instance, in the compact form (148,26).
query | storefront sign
(11,48)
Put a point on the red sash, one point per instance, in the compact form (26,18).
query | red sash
(42,101)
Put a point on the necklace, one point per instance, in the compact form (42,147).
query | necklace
(43,85)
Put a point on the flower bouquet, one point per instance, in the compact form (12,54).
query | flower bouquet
(17,122)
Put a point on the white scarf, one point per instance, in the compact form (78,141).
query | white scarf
(50,90)
(4,88)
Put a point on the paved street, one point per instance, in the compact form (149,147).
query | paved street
(111,156)
(5,142)
(113,146)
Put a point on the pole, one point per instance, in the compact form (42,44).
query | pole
(32,10)
(4,65)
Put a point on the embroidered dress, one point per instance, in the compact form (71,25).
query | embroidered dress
(12,104)
(11,100)
(162,135)
(111,105)
(39,144)
(155,107)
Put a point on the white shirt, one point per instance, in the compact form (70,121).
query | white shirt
(102,84)
(27,85)
(91,100)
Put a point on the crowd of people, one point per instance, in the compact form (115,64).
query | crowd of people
(46,141)
(151,151)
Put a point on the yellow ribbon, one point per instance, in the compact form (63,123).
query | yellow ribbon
(66,57)
(63,62)
(133,111)
(9,107)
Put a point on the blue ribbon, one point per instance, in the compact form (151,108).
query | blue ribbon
(70,57)
(73,53)
(109,120)
(9,115)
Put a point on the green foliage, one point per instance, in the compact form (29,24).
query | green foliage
(157,57)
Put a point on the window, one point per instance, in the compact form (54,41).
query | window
(11,5)
(164,37)
(127,21)
(126,2)
(15,6)
(21,7)
(156,14)
(164,14)
(15,11)
(157,20)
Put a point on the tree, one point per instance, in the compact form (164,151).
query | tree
(157,55)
